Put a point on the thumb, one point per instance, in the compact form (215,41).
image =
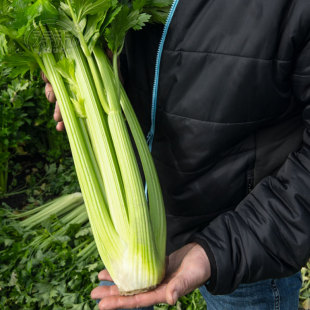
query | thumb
(176,288)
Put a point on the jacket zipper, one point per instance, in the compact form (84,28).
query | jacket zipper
(151,133)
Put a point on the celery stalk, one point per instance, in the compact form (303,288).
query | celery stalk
(156,204)
(128,227)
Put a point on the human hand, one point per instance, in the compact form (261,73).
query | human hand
(49,93)
(187,269)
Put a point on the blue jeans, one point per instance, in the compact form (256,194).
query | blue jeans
(274,294)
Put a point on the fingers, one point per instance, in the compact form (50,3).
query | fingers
(104,275)
(57,114)
(136,301)
(58,118)
(189,269)
(44,78)
(60,126)
(110,298)
(192,273)
(176,288)
(109,54)
(104,291)
(49,93)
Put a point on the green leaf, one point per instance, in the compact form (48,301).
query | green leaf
(126,19)
(79,107)
(94,23)
(8,242)
(13,280)
(69,300)
(160,3)
(43,9)
(19,64)
(3,45)
(86,307)
(141,21)
(82,24)
(65,23)
(53,293)
(92,8)
(92,267)
(8,32)
(84,232)
(139,4)
(110,16)
(66,68)
(65,8)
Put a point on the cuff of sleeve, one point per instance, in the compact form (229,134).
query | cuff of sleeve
(211,284)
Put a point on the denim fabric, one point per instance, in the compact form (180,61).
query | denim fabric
(274,294)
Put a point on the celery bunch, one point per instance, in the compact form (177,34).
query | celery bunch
(67,40)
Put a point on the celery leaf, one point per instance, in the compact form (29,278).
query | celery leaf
(126,19)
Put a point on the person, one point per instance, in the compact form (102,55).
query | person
(231,145)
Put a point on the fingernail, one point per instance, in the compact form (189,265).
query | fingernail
(175,297)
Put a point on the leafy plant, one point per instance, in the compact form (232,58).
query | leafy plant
(304,298)
(93,105)
(13,97)
(36,276)
(53,279)
(192,301)
(26,130)
(46,143)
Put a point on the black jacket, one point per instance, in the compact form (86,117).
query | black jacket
(232,139)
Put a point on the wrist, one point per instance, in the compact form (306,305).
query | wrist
(204,260)
(212,279)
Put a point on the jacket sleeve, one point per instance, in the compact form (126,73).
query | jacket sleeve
(268,234)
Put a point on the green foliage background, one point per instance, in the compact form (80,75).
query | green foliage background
(40,168)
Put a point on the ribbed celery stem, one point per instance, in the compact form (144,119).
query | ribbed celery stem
(156,204)
(77,216)
(47,206)
(155,198)
(57,207)
(87,251)
(105,235)
(86,138)
(142,255)
(101,143)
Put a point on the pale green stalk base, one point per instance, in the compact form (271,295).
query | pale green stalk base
(135,292)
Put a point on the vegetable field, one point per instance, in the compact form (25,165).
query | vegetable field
(75,202)
(39,169)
